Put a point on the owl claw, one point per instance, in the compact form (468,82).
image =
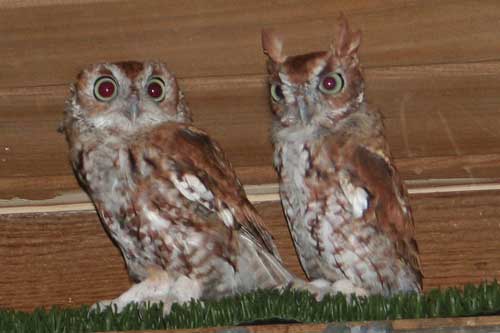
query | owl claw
(347,288)
(101,305)
(118,306)
(323,288)
(319,288)
(159,288)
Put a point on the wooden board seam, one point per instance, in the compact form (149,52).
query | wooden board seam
(256,194)
(399,325)
(489,66)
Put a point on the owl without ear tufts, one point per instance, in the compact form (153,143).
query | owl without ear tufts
(164,191)
(344,201)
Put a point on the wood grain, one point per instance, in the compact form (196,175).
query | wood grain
(441,122)
(66,258)
(443,325)
(5,4)
(433,68)
(47,44)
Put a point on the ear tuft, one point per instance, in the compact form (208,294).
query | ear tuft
(347,42)
(272,44)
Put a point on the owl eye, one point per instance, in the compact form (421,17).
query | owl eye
(105,88)
(277,93)
(156,89)
(331,84)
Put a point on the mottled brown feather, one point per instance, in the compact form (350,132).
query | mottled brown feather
(344,201)
(165,192)
(380,178)
(202,157)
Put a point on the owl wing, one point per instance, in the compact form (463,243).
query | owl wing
(373,170)
(199,170)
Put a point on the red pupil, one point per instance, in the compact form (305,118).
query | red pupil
(106,89)
(155,90)
(329,83)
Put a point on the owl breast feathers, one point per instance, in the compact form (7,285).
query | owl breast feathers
(344,201)
(164,190)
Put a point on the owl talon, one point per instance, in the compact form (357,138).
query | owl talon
(118,306)
(155,289)
(105,304)
(348,289)
(317,288)
(323,288)
(100,306)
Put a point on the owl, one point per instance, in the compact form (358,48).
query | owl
(164,191)
(343,198)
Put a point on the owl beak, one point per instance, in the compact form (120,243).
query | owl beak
(303,112)
(134,107)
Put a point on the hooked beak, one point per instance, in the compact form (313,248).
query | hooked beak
(303,112)
(133,112)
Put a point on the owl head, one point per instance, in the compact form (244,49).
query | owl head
(318,88)
(124,97)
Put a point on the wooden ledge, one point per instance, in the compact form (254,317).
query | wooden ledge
(78,201)
(443,325)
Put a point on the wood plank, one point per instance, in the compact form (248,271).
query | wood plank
(46,45)
(443,325)
(257,194)
(66,258)
(28,4)
(441,122)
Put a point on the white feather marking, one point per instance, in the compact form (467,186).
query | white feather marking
(357,196)
(284,78)
(193,189)
(359,202)
(157,222)
(227,217)
(360,97)
(198,187)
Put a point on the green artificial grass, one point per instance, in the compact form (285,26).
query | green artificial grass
(261,306)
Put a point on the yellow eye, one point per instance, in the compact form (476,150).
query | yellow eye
(332,83)
(105,88)
(277,93)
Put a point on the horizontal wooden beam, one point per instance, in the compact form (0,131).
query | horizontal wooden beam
(46,43)
(9,4)
(66,258)
(441,122)
(79,201)
(442,325)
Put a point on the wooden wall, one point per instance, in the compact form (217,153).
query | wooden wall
(433,67)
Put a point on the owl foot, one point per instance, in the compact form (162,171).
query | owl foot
(317,288)
(321,287)
(155,289)
(347,288)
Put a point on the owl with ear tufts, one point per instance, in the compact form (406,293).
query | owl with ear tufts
(345,204)
(164,191)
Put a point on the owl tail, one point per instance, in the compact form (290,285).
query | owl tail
(258,268)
